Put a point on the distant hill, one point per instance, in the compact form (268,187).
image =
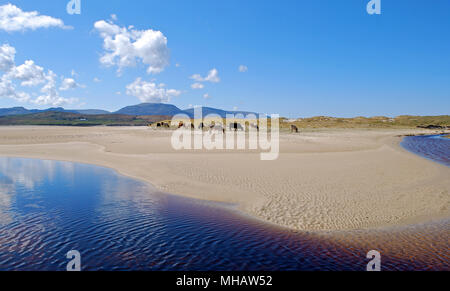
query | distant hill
(91,111)
(14,111)
(24,111)
(222,113)
(150,109)
(144,109)
(76,119)
(171,110)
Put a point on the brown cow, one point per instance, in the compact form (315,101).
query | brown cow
(255,126)
(294,129)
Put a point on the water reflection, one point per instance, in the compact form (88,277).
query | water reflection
(49,208)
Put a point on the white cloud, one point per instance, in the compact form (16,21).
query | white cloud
(243,68)
(197,86)
(7,55)
(73,73)
(124,47)
(69,83)
(12,18)
(28,74)
(51,95)
(206,96)
(8,90)
(114,17)
(213,77)
(97,80)
(151,92)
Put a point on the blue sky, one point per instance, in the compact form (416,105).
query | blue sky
(304,58)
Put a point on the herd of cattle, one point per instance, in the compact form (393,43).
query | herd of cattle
(234,126)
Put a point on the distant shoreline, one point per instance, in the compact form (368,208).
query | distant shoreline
(149,113)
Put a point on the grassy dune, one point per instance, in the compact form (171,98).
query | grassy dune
(372,122)
(74,119)
(358,122)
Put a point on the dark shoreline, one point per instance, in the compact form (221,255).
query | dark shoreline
(431,147)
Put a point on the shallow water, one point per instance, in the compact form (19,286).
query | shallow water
(48,208)
(435,147)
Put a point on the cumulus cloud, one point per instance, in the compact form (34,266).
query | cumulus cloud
(12,19)
(197,86)
(125,47)
(243,68)
(8,90)
(70,83)
(206,96)
(28,75)
(50,94)
(151,92)
(97,80)
(213,77)
(7,55)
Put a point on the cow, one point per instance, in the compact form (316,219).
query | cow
(255,126)
(236,126)
(294,129)
(216,127)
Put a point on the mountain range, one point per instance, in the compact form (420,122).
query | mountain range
(23,111)
(144,109)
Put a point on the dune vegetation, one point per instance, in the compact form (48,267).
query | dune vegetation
(76,119)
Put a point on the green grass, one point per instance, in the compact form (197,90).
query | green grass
(372,122)
(74,119)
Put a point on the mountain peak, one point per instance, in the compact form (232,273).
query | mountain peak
(150,109)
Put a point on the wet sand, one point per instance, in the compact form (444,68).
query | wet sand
(324,180)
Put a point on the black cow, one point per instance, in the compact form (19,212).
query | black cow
(236,126)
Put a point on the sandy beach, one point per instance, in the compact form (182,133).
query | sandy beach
(333,179)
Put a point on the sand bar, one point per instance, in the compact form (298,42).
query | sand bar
(333,179)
